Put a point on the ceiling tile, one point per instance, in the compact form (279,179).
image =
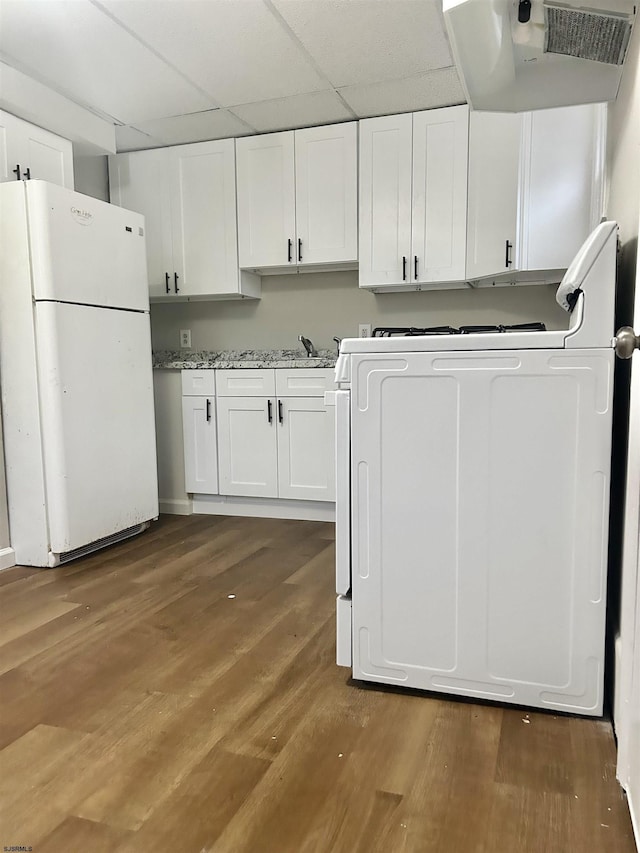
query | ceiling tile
(434,89)
(196,127)
(131,139)
(76,49)
(366,41)
(297,111)
(235,50)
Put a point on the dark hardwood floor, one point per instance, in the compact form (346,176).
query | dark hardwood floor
(178,692)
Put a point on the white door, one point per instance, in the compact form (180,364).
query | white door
(439,208)
(306,449)
(628,724)
(85,250)
(203,211)
(97,421)
(327,194)
(139,181)
(38,153)
(247,446)
(479,555)
(494,168)
(385,200)
(561,183)
(200,446)
(48,157)
(266,200)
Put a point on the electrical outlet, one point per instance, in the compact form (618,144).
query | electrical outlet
(185,338)
(364,330)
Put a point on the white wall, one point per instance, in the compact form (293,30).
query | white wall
(321,305)
(91,175)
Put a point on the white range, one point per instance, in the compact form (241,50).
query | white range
(473,501)
(75,371)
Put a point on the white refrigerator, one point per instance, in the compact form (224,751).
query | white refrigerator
(75,373)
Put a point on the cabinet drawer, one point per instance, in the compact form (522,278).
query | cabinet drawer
(246,383)
(198,383)
(301,382)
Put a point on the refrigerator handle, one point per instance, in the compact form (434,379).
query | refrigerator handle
(166,281)
(175,282)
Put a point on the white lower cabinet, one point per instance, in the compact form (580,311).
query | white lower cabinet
(273,445)
(306,449)
(199,432)
(247,449)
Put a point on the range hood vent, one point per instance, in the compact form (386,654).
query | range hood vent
(561,53)
(586,34)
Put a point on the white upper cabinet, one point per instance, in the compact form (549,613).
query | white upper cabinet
(494,174)
(535,189)
(29,152)
(385,199)
(187,195)
(327,194)
(297,198)
(266,200)
(413,195)
(139,182)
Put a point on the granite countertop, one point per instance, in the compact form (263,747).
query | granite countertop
(230,359)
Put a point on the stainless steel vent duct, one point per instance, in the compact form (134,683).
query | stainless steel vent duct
(586,33)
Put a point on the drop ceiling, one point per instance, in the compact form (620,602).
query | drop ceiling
(172,71)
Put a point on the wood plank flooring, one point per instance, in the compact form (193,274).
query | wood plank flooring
(145,709)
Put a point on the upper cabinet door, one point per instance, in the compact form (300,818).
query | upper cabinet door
(494,169)
(385,200)
(38,153)
(139,181)
(266,200)
(562,184)
(327,194)
(439,209)
(203,213)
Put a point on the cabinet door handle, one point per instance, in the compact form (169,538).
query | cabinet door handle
(166,281)
(16,171)
(27,173)
(280,416)
(299,249)
(208,410)
(175,282)
(289,247)
(415,267)
(404,268)
(269,412)
(507,254)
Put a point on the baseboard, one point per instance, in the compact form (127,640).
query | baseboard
(617,707)
(171,506)
(7,558)
(264,508)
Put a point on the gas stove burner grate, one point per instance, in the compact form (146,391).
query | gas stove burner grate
(412,331)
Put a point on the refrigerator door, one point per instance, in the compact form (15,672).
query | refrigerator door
(84,250)
(96,401)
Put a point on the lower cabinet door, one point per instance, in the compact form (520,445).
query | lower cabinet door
(247,448)
(306,449)
(200,451)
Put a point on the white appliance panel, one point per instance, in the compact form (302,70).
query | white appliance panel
(96,401)
(480,493)
(84,250)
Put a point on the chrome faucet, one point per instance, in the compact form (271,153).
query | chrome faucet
(338,342)
(306,343)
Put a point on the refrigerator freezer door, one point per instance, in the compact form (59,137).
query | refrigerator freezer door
(84,250)
(96,401)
